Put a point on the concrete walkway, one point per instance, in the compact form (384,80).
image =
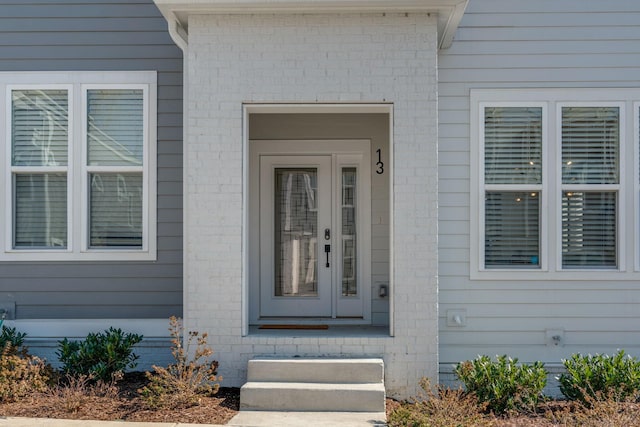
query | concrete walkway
(243,419)
(315,419)
(50,422)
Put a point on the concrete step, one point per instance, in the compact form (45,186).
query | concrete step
(312,370)
(319,397)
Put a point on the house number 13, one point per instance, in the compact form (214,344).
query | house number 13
(379,163)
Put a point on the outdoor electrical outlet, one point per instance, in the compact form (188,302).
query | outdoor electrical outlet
(8,310)
(383,291)
(457,317)
(554,337)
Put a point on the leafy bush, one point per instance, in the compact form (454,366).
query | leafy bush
(181,384)
(440,408)
(100,355)
(11,339)
(21,375)
(618,376)
(503,385)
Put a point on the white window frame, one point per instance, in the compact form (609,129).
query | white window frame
(77,169)
(627,189)
(584,188)
(540,188)
(636,184)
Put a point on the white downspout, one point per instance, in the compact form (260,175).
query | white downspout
(181,38)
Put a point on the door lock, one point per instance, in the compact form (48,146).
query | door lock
(327,250)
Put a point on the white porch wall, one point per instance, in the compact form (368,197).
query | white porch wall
(310,58)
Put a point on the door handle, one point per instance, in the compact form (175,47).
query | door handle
(327,250)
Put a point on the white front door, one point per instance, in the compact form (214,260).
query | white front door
(314,233)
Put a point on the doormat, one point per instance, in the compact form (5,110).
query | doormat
(294,327)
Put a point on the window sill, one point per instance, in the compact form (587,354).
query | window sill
(564,275)
(93,255)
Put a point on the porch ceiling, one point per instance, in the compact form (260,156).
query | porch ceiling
(177,12)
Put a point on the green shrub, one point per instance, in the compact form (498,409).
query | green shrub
(100,355)
(21,375)
(503,385)
(618,376)
(181,384)
(11,339)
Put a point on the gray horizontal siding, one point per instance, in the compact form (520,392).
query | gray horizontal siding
(527,44)
(105,35)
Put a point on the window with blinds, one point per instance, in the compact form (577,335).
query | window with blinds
(115,127)
(115,139)
(589,229)
(512,145)
(590,158)
(39,158)
(79,179)
(590,145)
(552,196)
(512,182)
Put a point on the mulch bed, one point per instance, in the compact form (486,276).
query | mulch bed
(127,406)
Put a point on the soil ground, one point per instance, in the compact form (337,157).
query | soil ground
(126,405)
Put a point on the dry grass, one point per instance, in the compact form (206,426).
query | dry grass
(121,402)
(599,411)
(76,392)
(441,407)
(21,374)
(445,407)
(191,377)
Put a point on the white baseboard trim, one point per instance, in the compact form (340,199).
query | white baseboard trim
(79,328)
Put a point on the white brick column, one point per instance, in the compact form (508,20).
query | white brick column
(310,58)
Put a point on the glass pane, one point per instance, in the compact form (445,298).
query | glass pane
(115,127)
(512,229)
(296,232)
(589,229)
(513,145)
(349,200)
(40,216)
(39,131)
(590,141)
(115,210)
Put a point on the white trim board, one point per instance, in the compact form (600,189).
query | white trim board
(307,108)
(79,328)
(177,12)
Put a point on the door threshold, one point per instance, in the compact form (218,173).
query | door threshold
(294,326)
(332,331)
(306,321)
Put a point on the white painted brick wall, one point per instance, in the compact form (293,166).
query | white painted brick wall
(310,58)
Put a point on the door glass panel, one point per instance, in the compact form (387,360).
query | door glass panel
(349,282)
(296,232)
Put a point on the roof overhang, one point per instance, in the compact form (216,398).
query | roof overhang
(449,12)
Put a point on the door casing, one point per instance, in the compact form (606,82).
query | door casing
(342,153)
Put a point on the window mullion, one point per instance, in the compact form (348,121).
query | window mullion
(512,187)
